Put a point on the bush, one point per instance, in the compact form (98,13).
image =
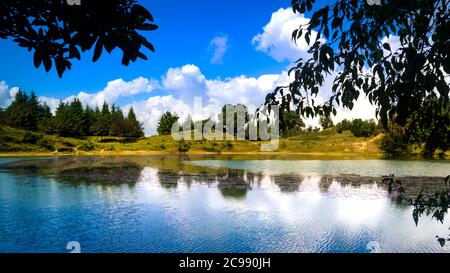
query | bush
(395,141)
(343,126)
(213,147)
(227,145)
(86,147)
(46,143)
(183,146)
(362,128)
(358,127)
(30,138)
(68,144)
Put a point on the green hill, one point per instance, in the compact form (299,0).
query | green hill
(325,143)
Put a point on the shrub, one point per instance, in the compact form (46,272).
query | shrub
(228,145)
(213,148)
(183,146)
(363,128)
(68,144)
(30,138)
(46,143)
(395,141)
(86,147)
(343,126)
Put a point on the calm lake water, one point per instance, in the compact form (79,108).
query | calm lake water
(152,204)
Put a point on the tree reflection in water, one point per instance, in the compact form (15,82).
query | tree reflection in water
(428,195)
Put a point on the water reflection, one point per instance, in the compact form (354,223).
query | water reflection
(153,204)
(172,170)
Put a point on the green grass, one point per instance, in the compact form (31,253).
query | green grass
(15,141)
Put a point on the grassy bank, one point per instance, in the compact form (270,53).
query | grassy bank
(14,142)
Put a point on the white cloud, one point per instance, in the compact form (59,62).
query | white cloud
(220,46)
(115,89)
(362,109)
(186,81)
(149,111)
(53,103)
(276,39)
(7,95)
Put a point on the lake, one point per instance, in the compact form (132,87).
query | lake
(178,204)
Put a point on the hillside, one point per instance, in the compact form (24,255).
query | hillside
(329,143)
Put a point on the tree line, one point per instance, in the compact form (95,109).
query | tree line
(71,119)
(290,123)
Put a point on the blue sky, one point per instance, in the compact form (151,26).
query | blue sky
(185,31)
(231,51)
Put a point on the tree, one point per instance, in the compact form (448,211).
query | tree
(90,118)
(35,108)
(395,142)
(69,119)
(362,128)
(2,116)
(118,123)
(102,125)
(290,123)
(238,110)
(344,125)
(134,127)
(61,118)
(20,113)
(57,32)
(166,122)
(326,122)
(189,123)
(350,44)
(44,119)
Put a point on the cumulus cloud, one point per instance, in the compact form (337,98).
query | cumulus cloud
(185,82)
(115,89)
(276,39)
(6,94)
(219,44)
(51,102)
(149,111)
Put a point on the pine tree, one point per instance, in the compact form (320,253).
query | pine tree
(134,127)
(60,121)
(90,118)
(19,113)
(76,119)
(34,108)
(44,119)
(166,122)
(118,125)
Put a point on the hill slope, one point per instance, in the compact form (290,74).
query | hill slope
(21,142)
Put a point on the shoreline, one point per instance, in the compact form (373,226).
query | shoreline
(199,154)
